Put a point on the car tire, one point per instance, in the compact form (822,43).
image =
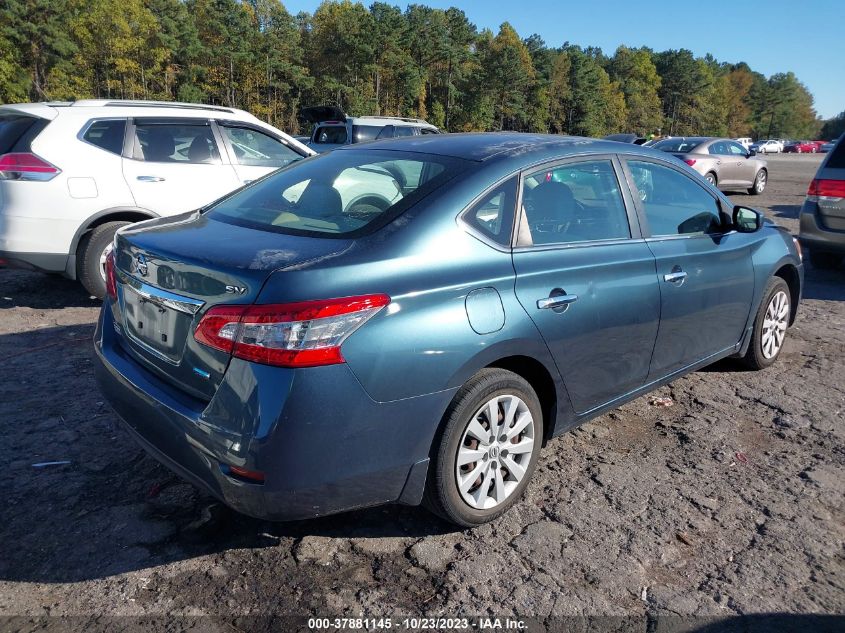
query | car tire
(760,182)
(444,495)
(91,256)
(711,178)
(824,261)
(770,325)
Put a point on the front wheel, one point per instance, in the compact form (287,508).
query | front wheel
(488,449)
(770,325)
(91,257)
(760,181)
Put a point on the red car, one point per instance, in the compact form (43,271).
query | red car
(802,147)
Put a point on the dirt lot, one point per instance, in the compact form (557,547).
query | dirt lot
(728,502)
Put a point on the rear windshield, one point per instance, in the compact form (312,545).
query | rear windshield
(679,145)
(12,128)
(341,193)
(330,135)
(836,159)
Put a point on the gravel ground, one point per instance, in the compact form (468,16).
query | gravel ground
(728,502)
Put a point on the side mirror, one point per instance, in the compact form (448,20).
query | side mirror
(747,220)
(751,153)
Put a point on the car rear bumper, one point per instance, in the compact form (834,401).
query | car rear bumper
(323,445)
(815,236)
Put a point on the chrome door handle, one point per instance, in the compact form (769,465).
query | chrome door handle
(150,178)
(556,302)
(675,277)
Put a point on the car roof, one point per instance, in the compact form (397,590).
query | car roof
(122,107)
(481,146)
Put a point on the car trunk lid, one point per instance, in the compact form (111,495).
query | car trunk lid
(167,281)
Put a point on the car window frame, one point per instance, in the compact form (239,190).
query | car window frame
(219,124)
(84,130)
(721,202)
(132,150)
(466,225)
(523,243)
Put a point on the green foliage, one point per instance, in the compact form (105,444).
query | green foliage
(833,128)
(422,61)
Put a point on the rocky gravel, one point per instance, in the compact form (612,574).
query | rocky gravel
(729,501)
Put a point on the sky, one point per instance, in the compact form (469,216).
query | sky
(802,36)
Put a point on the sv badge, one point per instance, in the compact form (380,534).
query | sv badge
(236,290)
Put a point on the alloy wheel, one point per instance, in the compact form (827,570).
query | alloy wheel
(494,452)
(761,182)
(774,324)
(103,257)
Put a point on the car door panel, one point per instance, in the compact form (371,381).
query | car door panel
(705,312)
(587,279)
(601,342)
(704,269)
(176,166)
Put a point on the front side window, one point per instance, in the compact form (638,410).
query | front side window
(107,135)
(576,202)
(175,143)
(492,216)
(736,149)
(348,193)
(257,149)
(673,203)
(331,135)
(402,130)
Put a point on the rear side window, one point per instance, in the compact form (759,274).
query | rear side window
(674,203)
(330,135)
(836,160)
(338,193)
(107,135)
(254,148)
(363,133)
(576,202)
(12,128)
(175,143)
(492,216)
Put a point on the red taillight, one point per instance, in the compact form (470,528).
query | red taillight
(689,161)
(253,476)
(111,278)
(827,188)
(305,334)
(26,166)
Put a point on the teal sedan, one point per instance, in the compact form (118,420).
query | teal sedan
(410,321)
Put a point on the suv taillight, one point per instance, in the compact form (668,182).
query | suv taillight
(111,278)
(305,334)
(827,188)
(26,166)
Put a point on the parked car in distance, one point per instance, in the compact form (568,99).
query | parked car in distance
(722,162)
(333,128)
(826,146)
(636,139)
(297,352)
(71,174)
(767,147)
(745,141)
(801,147)
(822,218)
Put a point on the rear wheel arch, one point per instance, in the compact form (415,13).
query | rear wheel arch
(538,376)
(116,214)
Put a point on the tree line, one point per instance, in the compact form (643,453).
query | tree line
(422,62)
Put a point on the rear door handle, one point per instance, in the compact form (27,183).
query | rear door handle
(556,301)
(150,178)
(675,277)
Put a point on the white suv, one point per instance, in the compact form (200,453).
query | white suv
(71,174)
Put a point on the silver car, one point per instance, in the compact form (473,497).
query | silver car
(724,163)
(822,219)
